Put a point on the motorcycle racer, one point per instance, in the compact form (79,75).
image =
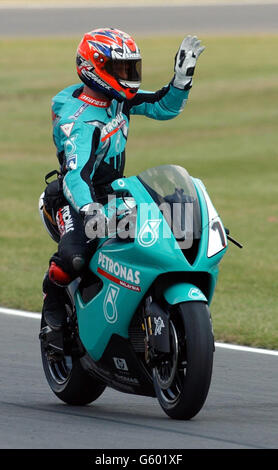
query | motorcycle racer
(90,131)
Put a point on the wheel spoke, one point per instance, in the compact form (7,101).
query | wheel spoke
(167,375)
(59,369)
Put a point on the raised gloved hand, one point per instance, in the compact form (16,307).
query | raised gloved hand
(95,221)
(185,62)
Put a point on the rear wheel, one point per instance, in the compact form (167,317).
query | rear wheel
(182,380)
(65,375)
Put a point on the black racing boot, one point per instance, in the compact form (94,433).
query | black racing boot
(54,311)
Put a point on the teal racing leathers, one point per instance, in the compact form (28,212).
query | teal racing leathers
(91,136)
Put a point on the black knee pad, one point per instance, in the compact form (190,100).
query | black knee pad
(72,259)
(78,263)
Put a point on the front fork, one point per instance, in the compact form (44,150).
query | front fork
(156,327)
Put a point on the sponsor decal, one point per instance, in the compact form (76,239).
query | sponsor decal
(67,128)
(159,324)
(120,363)
(125,52)
(112,127)
(64,220)
(87,70)
(109,304)
(91,75)
(127,379)
(195,293)
(93,101)
(72,163)
(122,283)
(118,273)
(70,146)
(79,111)
(148,234)
(70,152)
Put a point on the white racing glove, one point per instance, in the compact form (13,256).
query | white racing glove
(185,62)
(95,221)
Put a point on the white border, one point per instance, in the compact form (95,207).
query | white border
(37,316)
(32,5)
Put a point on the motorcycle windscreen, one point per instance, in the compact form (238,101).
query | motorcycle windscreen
(171,187)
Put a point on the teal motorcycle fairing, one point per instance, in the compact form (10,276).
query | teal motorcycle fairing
(128,268)
(183,292)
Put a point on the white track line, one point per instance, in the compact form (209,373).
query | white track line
(236,347)
(20,313)
(33,5)
(37,316)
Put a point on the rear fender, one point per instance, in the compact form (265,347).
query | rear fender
(183,292)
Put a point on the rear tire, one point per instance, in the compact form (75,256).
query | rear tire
(68,380)
(182,383)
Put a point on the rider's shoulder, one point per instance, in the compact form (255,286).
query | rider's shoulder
(65,103)
(66,94)
(66,106)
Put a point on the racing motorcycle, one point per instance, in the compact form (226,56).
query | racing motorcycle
(138,320)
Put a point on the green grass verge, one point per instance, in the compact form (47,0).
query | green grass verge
(227,136)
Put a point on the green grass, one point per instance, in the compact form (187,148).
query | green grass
(226,136)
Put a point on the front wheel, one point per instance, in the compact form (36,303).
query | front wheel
(182,380)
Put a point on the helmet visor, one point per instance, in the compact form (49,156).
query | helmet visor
(127,72)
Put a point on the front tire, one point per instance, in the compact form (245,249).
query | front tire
(182,381)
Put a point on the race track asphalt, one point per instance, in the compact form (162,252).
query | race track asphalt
(241,411)
(212,19)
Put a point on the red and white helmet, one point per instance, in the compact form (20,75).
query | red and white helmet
(109,61)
